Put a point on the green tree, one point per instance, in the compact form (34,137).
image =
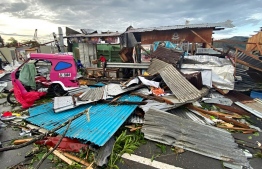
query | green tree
(2,43)
(12,42)
(30,43)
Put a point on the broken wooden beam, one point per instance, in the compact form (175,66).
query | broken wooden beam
(62,157)
(157,98)
(222,52)
(234,122)
(213,113)
(221,91)
(232,109)
(75,158)
(236,128)
(21,141)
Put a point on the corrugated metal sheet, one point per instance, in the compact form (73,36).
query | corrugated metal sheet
(159,106)
(116,89)
(94,94)
(254,107)
(227,24)
(155,66)
(63,103)
(80,89)
(179,85)
(249,60)
(246,83)
(186,114)
(208,51)
(206,60)
(94,35)
(136,119)
(207,140)
(238,96)
(105,119)
(167,55)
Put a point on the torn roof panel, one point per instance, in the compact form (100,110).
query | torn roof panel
(203,139)
(227,24)
(93,94)
(206,60)
(254,107)
(167,55)
(249,60)
(179,85)
(116,89)
(187,114)
(105,119)
(155,66)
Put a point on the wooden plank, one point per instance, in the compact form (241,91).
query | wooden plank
(236,128)
(213,113)
(232,109)
(90,166)
(248,65)
(234,122)
(157,98)
(75,159)
(223,92)
(21,141)
(61,156)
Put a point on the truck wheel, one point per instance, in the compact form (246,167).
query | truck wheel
(11,98)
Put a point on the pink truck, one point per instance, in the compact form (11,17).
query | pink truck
(60,73)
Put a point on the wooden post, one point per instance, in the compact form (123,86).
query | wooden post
(235,65)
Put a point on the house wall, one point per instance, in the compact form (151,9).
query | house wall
(49,49)
(87,53)
(182,34)
(7,53)
(254,39)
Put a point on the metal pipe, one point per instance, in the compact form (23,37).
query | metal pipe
(128,65)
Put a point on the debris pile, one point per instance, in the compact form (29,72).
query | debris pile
(187,102)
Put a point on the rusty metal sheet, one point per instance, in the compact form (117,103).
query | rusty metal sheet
(238,96)
(167,55)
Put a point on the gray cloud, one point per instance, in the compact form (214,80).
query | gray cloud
(119,14)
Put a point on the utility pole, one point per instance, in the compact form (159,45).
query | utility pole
(56,42)
(61,39)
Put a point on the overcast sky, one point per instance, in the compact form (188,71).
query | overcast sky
(22,17)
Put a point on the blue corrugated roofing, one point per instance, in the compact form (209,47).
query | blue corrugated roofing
(105,119)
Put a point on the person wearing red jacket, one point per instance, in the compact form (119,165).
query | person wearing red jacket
(102,59)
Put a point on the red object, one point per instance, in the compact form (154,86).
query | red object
(157,91)
(67,144)
(102,59)
(7,114)
(26,99)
